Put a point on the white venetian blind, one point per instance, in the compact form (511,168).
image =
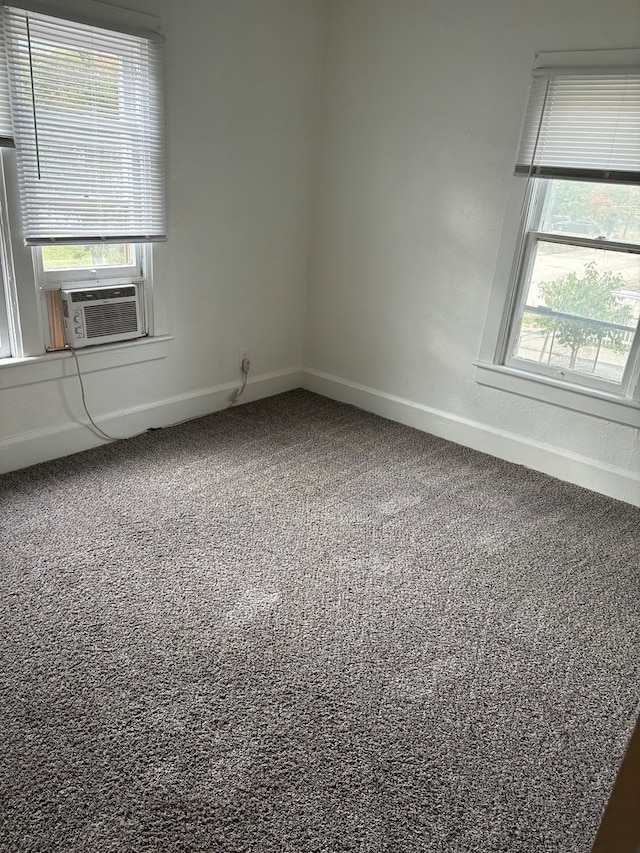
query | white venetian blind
(582,125)
(87,115)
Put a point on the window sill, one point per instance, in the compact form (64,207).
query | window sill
(57,365)
(597,404)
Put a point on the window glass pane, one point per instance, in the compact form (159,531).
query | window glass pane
(581,310)
(87,256)
(582,209)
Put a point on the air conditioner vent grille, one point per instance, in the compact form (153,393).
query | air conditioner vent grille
(114,319)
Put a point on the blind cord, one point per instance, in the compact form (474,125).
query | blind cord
(33,98)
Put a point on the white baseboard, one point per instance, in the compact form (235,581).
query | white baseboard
(608,480)
(19,451)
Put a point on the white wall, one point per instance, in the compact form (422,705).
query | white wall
(241,110)
(423,103)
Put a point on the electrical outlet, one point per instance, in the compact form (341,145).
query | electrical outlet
(244,353)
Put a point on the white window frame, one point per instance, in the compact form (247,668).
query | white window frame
(23,280)
(494,367)
(10,339)
(5,340)
(30,361)
(68,275)
(533,234)
(140,272)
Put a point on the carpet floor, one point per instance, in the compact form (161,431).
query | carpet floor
(295,627)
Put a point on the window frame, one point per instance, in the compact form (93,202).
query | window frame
(532,235)
(79,277)
(524,204)
(69,275)
(9,340)
(23,280)
(5,337)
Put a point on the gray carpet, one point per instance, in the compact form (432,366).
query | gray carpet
(296,627)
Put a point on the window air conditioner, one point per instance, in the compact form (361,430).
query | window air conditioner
(102,314)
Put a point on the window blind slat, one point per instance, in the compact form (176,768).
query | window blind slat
(582,126)
(87,117)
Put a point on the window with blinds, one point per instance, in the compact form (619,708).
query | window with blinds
(574,306)
(86,117)
(81,102)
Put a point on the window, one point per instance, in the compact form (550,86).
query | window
(573,301)
(82,105)
(579,285)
